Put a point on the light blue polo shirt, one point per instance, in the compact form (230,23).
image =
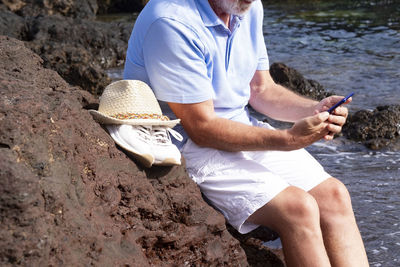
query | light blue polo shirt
(187,55)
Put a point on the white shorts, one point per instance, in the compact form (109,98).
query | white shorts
(239,183)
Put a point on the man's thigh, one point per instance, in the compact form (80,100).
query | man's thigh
(239,183)
(298,168)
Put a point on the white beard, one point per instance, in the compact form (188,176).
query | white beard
(233,7)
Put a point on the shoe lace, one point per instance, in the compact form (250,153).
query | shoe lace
(144,132)
(161,135)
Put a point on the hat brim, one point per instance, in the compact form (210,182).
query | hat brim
(104,119)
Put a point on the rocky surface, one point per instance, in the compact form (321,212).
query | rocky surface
(13,25)
(79,49)
(69,196)
(120,6)
(82,58)
(86,9)
(76,9)
(294,80)
(376,129)
(257,253)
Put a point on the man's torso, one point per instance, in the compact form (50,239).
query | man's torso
(187,55)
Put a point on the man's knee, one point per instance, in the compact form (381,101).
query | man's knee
(333,198)
(292,208)
(300,207)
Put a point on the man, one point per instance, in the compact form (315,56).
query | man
(207,60)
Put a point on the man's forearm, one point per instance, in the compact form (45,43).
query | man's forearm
(229,135)
(276,101)
(280,103)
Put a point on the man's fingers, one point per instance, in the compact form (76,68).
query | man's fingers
(328,102)
(320,117)
(334,128)
(338,120)
(341,111)
(334,99)
(319,123)
(328,137)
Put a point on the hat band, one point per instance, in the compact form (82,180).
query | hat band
(137,116)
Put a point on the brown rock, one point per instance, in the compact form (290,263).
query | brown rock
(69,196)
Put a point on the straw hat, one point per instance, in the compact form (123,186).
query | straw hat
(130,102)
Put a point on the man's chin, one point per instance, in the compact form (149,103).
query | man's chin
(237,8)
(242,9)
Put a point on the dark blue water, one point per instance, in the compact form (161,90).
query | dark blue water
(344,47)
(349,47)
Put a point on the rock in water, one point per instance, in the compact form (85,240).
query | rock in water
(376,129)
(295,81)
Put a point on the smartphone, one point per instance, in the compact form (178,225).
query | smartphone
(340,102)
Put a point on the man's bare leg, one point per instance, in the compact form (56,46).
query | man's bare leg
(339,228)
(294,214)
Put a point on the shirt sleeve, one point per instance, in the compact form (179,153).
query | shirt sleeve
(175,62)
(263,61)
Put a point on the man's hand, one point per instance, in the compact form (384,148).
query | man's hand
(337,118)
(309,130)
(328,102)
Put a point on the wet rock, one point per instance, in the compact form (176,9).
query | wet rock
(295,81)
(376,129)
(69,196)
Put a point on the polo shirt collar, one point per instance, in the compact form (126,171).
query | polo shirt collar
(209,17)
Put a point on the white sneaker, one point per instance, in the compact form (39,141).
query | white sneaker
(134,139)
(164,151)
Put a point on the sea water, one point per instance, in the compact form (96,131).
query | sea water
(350,46)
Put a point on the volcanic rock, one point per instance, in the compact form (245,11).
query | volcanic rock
(120,6)
(69,196)
(13,25)
(376,129)
(295,81)
(77,9)
(80,50)
(82,58)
